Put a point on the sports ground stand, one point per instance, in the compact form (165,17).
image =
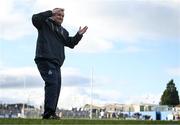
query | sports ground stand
(112,111)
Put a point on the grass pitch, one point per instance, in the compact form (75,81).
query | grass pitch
(83,122)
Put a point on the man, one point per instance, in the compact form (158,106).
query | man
(50,55)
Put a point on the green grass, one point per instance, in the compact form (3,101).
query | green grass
(84,122)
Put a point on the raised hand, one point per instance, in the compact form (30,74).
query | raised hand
(83,30)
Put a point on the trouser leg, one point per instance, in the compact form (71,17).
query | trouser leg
(58,86)
(50,73)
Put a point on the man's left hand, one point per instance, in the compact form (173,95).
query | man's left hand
(83,30)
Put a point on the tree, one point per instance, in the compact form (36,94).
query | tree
(170,95)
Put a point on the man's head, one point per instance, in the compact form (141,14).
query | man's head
(58,15)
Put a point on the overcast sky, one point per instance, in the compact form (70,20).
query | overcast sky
(132,48)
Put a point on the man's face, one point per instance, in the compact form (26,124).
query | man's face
(58,17)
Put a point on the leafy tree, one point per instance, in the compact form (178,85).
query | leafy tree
(170,95)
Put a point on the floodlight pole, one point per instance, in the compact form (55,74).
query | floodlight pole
(91,94)
(23,110)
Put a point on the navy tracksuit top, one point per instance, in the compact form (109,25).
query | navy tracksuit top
(52,38)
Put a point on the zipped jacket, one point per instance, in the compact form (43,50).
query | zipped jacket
(52,38)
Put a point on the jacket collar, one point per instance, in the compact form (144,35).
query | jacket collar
(51,20)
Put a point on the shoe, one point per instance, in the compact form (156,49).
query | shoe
(52,116)
(45,116)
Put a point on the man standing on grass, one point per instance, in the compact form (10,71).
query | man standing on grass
(50,55)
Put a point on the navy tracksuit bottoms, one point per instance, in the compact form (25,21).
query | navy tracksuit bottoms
(51,74)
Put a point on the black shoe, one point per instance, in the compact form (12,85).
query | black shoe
(54,116)
(45,116)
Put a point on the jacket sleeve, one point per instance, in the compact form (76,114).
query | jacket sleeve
(38,19)
(73,41)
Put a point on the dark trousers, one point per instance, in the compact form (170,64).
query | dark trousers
(51,74)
